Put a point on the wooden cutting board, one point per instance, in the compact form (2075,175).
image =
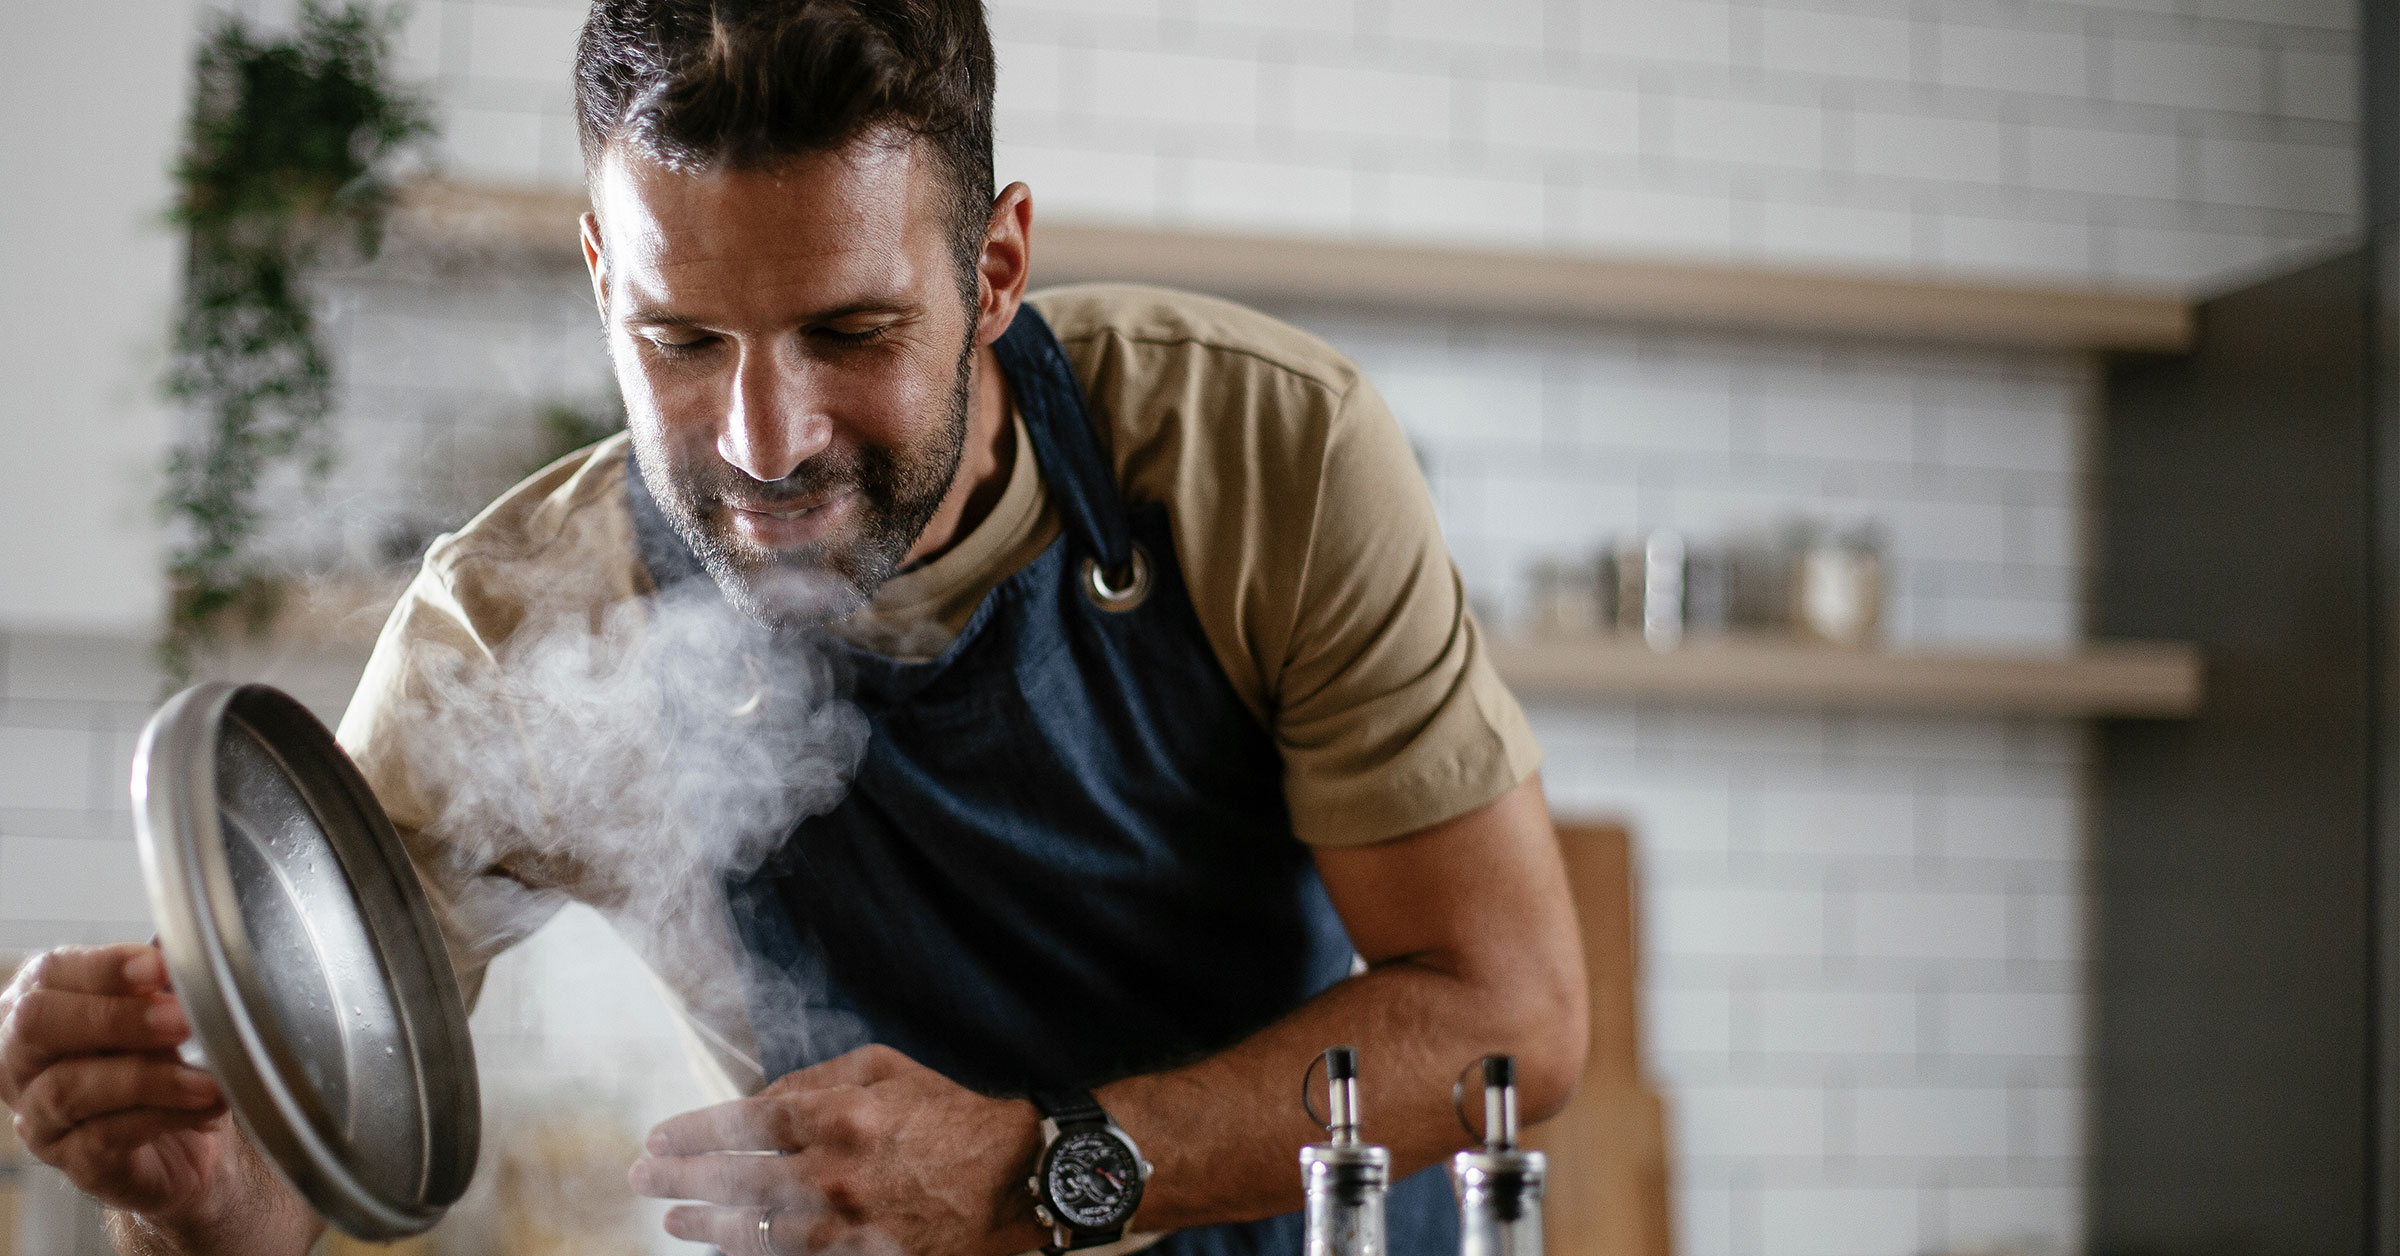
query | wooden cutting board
(1607,1192)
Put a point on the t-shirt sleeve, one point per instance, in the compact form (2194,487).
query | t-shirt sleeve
(482,909)
(1388,712)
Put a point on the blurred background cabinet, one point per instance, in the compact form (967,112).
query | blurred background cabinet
(2236,852)
(2243,1064)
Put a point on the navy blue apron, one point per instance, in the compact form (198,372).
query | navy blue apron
(1066,858)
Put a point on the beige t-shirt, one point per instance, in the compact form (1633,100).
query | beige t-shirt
(1304,531)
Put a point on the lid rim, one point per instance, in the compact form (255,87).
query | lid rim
(196,906)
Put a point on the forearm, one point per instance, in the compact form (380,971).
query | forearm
(138,1236)
(1473,949)
(1224,1134)
(260,1216)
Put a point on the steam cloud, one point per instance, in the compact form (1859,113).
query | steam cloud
(639,755)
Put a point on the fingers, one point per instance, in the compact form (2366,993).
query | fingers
(127,1151)
(75,1092)
(49,1024)
(792,1231)
(763,1122)
(124,968)
(722,1179)
(79,998)
(797,1111)
(733,1231)
(752,1124)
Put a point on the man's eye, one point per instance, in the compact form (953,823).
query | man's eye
(866,336)
(679,348)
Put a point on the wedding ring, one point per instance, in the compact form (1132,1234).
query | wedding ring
(766,1231)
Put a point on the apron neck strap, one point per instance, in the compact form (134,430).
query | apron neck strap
(1065,443)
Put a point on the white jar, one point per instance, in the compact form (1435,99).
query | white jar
(1838,593)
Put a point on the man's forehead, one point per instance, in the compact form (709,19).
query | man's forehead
(859,214)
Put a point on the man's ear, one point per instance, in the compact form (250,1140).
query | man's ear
(1006,263)
(595,259)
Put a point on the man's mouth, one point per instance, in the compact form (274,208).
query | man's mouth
(786,525)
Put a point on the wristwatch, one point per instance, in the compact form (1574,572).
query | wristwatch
(1088,1179)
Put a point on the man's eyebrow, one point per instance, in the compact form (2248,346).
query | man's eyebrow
(864,305)
(647,316)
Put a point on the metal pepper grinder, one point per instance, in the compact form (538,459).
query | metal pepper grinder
(1499,1187)
(1345,1178)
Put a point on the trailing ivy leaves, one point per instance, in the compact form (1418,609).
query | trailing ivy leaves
(288,154)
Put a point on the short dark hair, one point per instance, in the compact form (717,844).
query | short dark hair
(745,84)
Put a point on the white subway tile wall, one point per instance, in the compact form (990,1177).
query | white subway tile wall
(69,707)
(2029,139)
(1864,996)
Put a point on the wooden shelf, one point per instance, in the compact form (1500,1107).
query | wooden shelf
(476,217)
(338,616)
(1580,286)
(1514,283)
(2108,678)
(345,613)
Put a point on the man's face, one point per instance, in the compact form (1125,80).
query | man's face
(794,353)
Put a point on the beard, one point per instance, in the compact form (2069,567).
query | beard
(898,490)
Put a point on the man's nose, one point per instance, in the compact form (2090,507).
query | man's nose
(775,420)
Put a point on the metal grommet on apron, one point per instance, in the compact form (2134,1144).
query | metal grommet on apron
(1118,591)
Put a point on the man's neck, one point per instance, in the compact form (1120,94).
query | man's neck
(984,462)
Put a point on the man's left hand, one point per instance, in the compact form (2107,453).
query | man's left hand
(869,1151)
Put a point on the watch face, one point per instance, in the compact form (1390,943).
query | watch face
(1093,1179)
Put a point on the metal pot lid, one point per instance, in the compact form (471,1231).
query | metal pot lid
(307,959)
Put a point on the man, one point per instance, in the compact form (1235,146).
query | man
(1185,758)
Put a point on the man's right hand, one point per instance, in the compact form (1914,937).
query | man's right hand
(88,1065)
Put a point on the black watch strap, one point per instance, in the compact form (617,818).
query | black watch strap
(1069,1107)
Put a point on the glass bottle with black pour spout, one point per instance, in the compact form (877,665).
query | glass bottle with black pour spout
(1345,1178)
(1499,1187)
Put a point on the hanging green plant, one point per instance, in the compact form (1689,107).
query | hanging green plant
(289,154)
